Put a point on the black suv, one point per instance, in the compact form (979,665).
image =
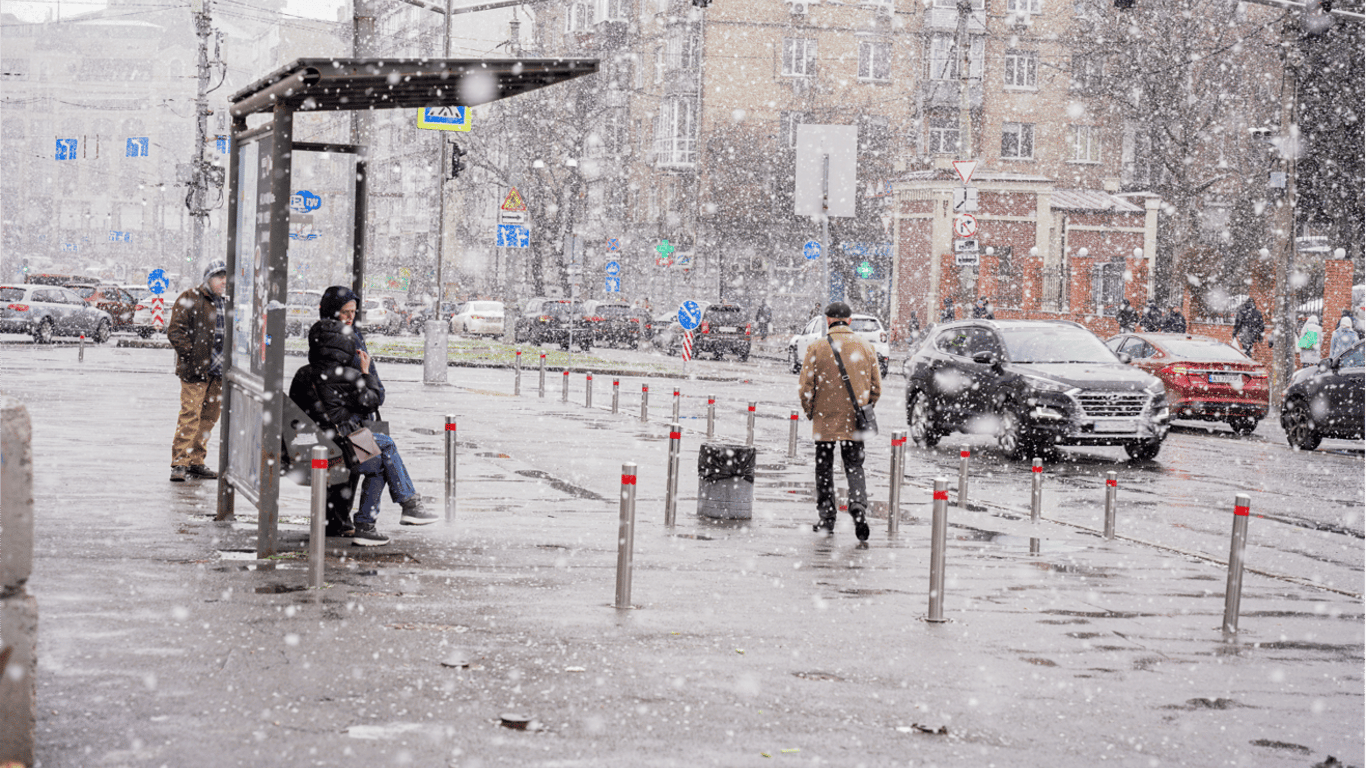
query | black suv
(1328,400)
(550,320)
(724,328)
(1034,384)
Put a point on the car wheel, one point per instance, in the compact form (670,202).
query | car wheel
(743,356)
(145,333)
(1242,425)
(1299,427)
(465,329)
(923,431)
(43,332)
(102,332)
(1011,435)
(792,358)
(1144,450)
(882,364)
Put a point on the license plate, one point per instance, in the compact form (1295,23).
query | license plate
(1116,425)
(1225,378)
(726,329)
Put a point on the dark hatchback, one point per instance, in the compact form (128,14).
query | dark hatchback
(616,325)
(552,322)
(1328,400)
(724,328)
(1035,385)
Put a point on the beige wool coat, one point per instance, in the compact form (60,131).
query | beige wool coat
(821,391)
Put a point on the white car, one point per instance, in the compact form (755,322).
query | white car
(475,318)
(301,311)
(379,318)
(867,326)
(142,310)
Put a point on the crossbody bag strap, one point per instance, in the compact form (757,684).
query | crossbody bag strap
(848,387)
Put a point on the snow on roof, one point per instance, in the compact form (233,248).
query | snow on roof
(1091,200)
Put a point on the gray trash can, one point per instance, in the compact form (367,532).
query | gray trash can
(725,481)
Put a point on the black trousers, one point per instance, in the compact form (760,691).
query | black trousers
(851,451)
(339,501)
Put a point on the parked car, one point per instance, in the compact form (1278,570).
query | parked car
(724,328)
(666,332)
(552,320)
(614,323)
(1034,384)
(45,311)
(1206,379)
(301,311)
(866,326)
(110,298)
(476,318)
(143,322)
(1327,400)
(382,315)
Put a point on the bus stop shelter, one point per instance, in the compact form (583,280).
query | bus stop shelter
(259,187)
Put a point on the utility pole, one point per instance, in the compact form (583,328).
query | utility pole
(200,173)
(964,46)
(362,120)
(510,261)
(1283,256)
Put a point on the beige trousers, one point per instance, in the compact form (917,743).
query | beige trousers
(200,404)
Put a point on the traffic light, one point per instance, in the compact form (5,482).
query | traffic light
(457,165)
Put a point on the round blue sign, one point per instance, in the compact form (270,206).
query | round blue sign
(613,268)
(689,315)
(812,250)
(157,282)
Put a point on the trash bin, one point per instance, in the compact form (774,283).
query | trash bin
(725,481)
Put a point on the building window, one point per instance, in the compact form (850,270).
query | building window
(943,137)
(1087,72)
(1023,6)
(787,128)
(874,61)
(1085,143)
(1017,141)
(1021,69)
(1136,154)
(659,64)
(616,10)
(675,132)
(799,57)
(578,17)
(685,51)
(943,58)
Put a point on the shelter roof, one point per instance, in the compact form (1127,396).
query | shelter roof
(1091,200)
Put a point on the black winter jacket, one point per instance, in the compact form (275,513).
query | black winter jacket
(330,389)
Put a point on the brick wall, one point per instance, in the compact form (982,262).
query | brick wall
(1337,291)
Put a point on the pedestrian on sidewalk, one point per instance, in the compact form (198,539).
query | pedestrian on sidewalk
(948,314)
(1127,317)
(196,333)
(1310,342)
(339,396)
(1344,338)
(1174,322)
(1248,326)
(1151,322)
(826,399)
(764,317)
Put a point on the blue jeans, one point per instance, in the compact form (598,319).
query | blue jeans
(388,468)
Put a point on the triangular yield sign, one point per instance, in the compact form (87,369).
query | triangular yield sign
(513,202)
(965,169)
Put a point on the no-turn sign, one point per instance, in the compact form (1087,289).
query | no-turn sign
(964,225)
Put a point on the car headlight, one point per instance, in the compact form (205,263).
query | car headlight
(1156,387)
(1047,385)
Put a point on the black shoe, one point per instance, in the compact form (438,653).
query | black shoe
(178,474)
(201,471)
(416,514)
(860,525)
(827,524)
(367,536)
(335,529)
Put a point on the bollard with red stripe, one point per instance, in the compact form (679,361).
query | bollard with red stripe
(588,393)
(711,416)
(671,489)
(540,392)
(1111,489)
(1233,593)
(318,520)
(749,431)
(616,394)
(450,468)
(644,402)
(793,422)
(938,541)
(626,534)
(963,455)
(898,469)
(517,374)
(676,401)
(564,389)
(1036,502)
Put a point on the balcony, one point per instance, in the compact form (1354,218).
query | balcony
(946,20)
(943,94)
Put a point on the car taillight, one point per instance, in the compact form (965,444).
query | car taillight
(19,307)
(704,328)
(747,327)
(1177,371)
(595,319)
(544,318)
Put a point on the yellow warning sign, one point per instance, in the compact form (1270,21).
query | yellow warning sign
(514,201)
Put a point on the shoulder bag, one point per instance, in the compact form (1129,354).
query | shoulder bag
(865,419)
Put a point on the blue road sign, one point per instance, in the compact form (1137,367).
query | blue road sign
(613,268)
(613,285)
(137,147)
(812,250)
(157,282)
(513,236)
(66,149)
(689,315)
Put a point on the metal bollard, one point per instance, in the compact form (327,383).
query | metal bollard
(792,436)
(564,386)
(711,416)
(541,391)
(1233,594)
(1111,489)
(616,395)
(450,468)
(588,393)
(644,402)
(671,490)
(676,401)
(626,534)
(517,374)
(317,546)
(897,471)
(938,539)
(80,356)
(963,455)
(749,431)
(1036,502)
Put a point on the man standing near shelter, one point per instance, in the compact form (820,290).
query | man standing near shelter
(196,333)
(827,400)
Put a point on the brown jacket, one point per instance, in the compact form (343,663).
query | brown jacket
(823,395)
(190,332)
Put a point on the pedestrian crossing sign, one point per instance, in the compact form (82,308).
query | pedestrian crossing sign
(444,118)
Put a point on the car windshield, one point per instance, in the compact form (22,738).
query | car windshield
(1054,344)
(614,310)
(1203,349)
(563,309)
(371,304)
(84,291)
(865,325)
(484,306)
(11,294)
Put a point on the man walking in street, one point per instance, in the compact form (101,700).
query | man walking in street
(830,398)
(1127,317)
(1248,326)
(196,333)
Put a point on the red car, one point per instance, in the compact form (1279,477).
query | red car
(1206,379)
